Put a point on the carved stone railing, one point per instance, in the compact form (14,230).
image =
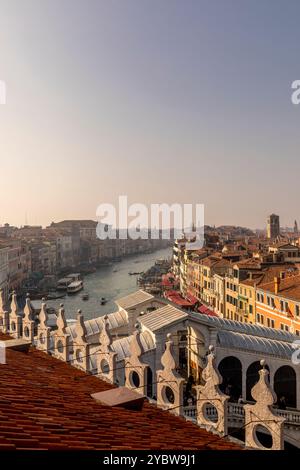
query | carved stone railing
(291,417)
(236,410)
(190,412)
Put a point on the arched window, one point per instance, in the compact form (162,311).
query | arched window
(231,370)
(285,385)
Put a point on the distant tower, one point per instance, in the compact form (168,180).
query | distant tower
(295,227)
(273,226)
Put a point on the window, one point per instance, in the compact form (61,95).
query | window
(260,318)
(260,297)
(284,327)
(297,332)
(281,305)
(270,323)
(250,309)
(268,300)
(297,310)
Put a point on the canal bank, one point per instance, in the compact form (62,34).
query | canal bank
(111,282)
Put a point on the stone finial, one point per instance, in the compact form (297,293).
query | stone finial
(136,348)
(167,359)
(15,322)
(105,337)
(81,357)
(169,382)
(262,414)
(61,322)
(135,368)
(43,331)
(43,315)
(28,321)
(210,397)
(107,358)
(80,329)
(14,306)
(4,315)
(28,310)
(62,342)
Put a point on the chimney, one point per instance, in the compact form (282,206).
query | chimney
(276,284)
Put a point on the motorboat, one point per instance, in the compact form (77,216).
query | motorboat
(66,281)
(74,287)
(63,283)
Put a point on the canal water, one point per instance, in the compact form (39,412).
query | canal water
(111,282)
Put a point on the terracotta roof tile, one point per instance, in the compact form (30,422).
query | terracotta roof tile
(46,404)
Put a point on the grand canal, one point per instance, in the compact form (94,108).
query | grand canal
(111,282)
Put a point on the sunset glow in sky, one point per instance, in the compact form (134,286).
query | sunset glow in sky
(160,100)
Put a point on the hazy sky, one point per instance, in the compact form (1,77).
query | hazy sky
(161,100)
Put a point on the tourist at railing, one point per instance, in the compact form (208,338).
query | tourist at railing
(282,403)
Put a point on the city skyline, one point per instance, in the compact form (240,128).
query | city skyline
(156,100)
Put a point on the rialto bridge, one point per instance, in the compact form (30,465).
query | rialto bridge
(165,353)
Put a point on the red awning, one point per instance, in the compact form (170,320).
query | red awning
(206,311)
(191,298)
(177,299)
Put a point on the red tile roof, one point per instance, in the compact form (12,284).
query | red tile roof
(46,404)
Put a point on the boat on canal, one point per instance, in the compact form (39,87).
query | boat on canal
(75,287)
